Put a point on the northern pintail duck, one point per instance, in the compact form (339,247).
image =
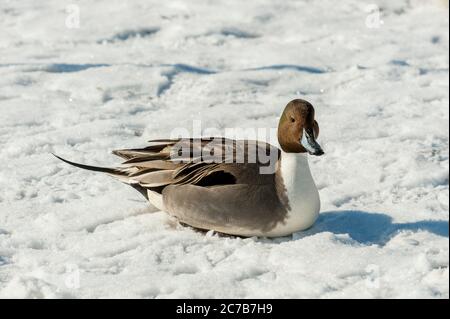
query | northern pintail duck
(219,184)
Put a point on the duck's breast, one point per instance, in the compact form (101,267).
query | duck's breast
(301,192)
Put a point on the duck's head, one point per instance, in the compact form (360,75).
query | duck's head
(298,130)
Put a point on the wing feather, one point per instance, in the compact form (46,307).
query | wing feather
(181,161)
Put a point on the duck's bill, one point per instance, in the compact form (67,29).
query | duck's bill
(309,142)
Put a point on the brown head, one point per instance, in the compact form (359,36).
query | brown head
(298,130)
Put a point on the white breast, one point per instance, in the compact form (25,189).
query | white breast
(302,193)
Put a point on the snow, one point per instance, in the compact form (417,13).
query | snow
(124,73)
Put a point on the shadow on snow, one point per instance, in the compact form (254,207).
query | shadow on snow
(371,228)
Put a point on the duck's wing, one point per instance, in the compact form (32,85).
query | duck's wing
(191,160)
(210,149)
(205,161)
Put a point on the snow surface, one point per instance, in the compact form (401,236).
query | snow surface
(135,70)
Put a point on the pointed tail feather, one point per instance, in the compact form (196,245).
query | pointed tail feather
(122,175)
(89,167)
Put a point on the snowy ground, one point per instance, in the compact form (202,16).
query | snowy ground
(131,72)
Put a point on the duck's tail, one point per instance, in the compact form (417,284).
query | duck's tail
(107,170)
(122,175)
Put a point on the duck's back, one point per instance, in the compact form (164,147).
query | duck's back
(226,185)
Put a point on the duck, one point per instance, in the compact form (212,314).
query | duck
(245,188)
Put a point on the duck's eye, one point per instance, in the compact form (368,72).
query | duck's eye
(292,120)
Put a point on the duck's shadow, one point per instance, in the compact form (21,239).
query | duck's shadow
(370,228)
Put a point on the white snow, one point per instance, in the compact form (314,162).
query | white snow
(133,71)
